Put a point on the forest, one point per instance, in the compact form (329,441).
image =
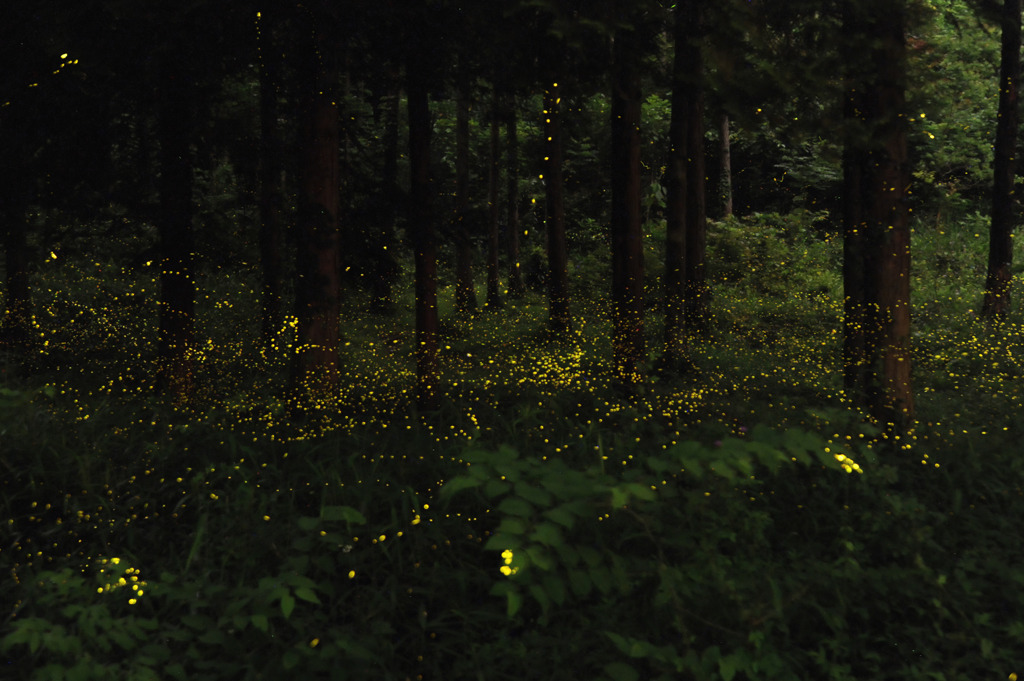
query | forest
(609,340)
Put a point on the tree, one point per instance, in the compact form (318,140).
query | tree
(516,288)
(675,353)
(559,319)
(876,263)
(421,229)
(271,235)
(176,336)
(1000,250)
(493,180)
(692,85)
(317,364)
(465,292)
(626,233)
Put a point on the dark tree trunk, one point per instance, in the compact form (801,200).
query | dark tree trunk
(676,352)
(696,190)
(317,368)
(559,319)
(1000,248)
(516,288)
(271,236)
(16,325)
(876,174)
(385,267)
(493,178)
(176,335)
(422,232)
(465,293)
(726,160)
(627,237)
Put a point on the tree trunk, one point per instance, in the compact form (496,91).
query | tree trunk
(422,232)
(876,175)
(696,191)
(516,288)
(271,236)
(465,294)
(493,177)
(726,160)
(317,368)
(1000,248)
(627,237)
(385,267)
(676,352)
(559,319)
(176,335)
(16,325)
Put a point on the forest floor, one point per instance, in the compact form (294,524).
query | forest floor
(740,521)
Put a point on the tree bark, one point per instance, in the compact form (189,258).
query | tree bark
(385,267)
(493,178)
(726,161)
(465,294)
(676,351)
(422,232)
(697,313)
(516,288)
(559,319)
(1000,249)
(16,325)
(317,368)
(627,238)
(876,216)
(176,334)
(271,235)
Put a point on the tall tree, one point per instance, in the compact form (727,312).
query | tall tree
(177,283)
(516,288)
(465,292)
(876,178)
(559,319)
(493,180)
(421,228)
(271,235)
(725,156)
(675,352)
(627,236)
(1000,248)
(317,364)
(697,313)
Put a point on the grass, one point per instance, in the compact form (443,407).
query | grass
(706,526)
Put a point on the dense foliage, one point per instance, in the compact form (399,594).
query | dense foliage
(741,520)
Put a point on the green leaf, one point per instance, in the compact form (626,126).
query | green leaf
(555,588)
(620,671)
(579,582)
(307,594)
(728,666)
(290,659)
(534,495)
(345,513)
(562,516)
(287,604)
(512,526)
(500,542)
(260,622)
(456,485)
(540,557)
(308,524)
(515,506)
(547,533)
(496,488)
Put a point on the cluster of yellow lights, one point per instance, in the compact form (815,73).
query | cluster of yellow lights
(116,576)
